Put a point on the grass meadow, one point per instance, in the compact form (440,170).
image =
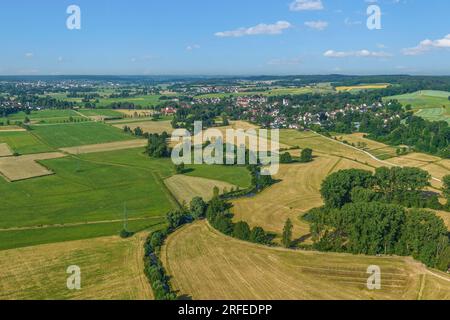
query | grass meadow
(78,134)
(23,142)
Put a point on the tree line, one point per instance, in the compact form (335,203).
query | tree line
(365,213)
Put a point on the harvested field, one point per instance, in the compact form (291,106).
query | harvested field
(26,167)
(445,216)
(11,129)
(297,193)
(378,149)
(103,147)
(363,87)
(5,151)
(136,113)
(184,188)
(149,126)
(205,264)
(111,268)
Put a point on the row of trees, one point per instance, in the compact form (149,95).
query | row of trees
(305,156)
(219,216)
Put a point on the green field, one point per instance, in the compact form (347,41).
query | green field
(142,101)
(238,176)
(23,142)
(90,189)
(32,237)
(78,134)
(423,99)
(435,114)
(43,116)
(428,104)
(281,91)
(100,112)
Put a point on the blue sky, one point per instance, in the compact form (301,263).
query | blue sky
(227,37)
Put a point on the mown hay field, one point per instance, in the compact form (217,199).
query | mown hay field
(104,147)
(378,149)
(299,189)
(148,126)
(136,113)
(5,150)
(297,192)
(184,188)
(205,264)
(424,99)
(26,167)
(111,268)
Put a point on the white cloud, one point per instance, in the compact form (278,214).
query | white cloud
(359,54)
(317,25)
(427,45)
(192,47)
(270,29)
(29,55)
(306,5)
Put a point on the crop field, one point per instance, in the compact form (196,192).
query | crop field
(31,236)
(428,104)
(423,99)
(299,188)
(142,101)
(49,115)
(26,167)
(324,146)
(5,150)
(100,112)
(87,190)
(253,272)
(233,175)
(297,193)
(379,150)
(184,188)
(362,87)
(435,114)
(136,113)
(111,268)
(148,126)
(104,147)
(78,134)
(23,142)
